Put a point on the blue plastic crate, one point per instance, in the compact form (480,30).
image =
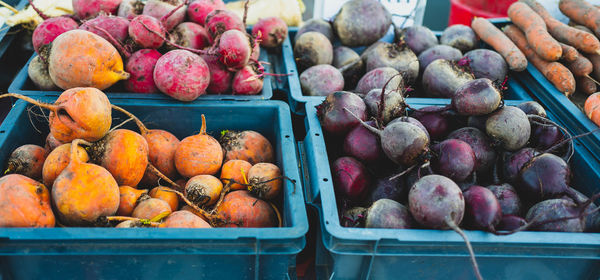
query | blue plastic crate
(356,253)
(5,38)
(145,253)
(22,84)
(570,114)
(297,99)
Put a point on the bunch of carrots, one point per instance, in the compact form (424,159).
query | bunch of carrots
(567,55)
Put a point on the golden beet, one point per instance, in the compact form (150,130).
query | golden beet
(199,154)
(24,202)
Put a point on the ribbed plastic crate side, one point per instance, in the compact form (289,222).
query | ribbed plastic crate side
(22,84)
(570,114)
(264,251)
(372,252)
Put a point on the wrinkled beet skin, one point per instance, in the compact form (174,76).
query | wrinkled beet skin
(418,38)
(142,36)
(220,77)
(434,198)
(544,137)
(48,30)
(437,125)
(510,222)
(544,176)
(334,119)
(410,120)
(391,189)
(117,27)
(485,155)
(487,64)
(386,213)
(553,209)
(508,198)
(199,9)
(85,9)
(455,159)
(482,208)
(141,68)
(350,178)
(438,52)
(515,161)
(181,75)
(476,97)
(363,144)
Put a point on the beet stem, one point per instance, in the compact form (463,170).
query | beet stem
(381,105)
(175,44)
(370,128)
(593,80)
(453,226)
(114,41)
(201,211)
(224,191)
(279,221)
(138,122)
(42,15)
(403,172)
(164,18)
(157,172)
(245,12)
(142,221)
(548,123)
(51,107)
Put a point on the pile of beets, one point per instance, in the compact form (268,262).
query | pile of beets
(416,58)
(181,49)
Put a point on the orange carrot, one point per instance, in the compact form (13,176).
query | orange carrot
(488,33)
(592,108)
(579,39)
(580,67)
(581,12)
(586,85)
(569,54)
(535,29)
(555,72)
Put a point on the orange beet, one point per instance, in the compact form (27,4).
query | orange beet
(83,192)
(199,154)
(247,145)
(203,190)
(128,199)
(171,198)
(184,219)
(150,208)
(58,160)
(240,209)
(236,170)
(24,202)
(27,160)
(51,143)
(80,58)
(193,211)
(260,176)
(124,154)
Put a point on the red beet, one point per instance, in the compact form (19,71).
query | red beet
(130,8)
(393,189)
(544,176)
(482,208)
(485,155)
(435,201)
(144,37)
(191,35)
(247,81)
(85,9)
(393,104)
(410,120)
(476,97)
(455,159)
(140,66)
(350,178)
(271,31)
(220,77)
(544,137)
(219,21)
(508,198)
(333,115)
(235,48)
(199,9)
(437,125)
(363,144)
(515,161)
(117,27)
(555,209)
(48,30)
(510,223)
(181,75)
(160,8)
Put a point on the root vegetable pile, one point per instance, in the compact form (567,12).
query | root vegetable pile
(91,175)
(149,47)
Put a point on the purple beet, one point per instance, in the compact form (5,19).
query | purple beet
(477,122)
(592,221)
(363,144)
(532,108)
(393,189)
(544,137)
(410,120)
(544,176)
(508,198)
(392,107)
(417,173)
(515,161)
(333,112)
(377,78)
(387,213)
(418,38)
(441,78)
(436,201)
(487,64)
(510,127)
(510,223)
(350,178)
(485,155)
(476,97)
(455,159)
(438,52)
(431,118)
(555,209)
(482,208)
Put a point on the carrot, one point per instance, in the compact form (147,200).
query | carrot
(535,29)
(592,108)
(569,54)
(488,33)
(555,72)
(586,85)
(582,13)
(579,39)
(595,60)
(580,67)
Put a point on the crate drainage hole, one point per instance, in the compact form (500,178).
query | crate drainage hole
(2,131)
(317,134)
(325,180)
(287,136)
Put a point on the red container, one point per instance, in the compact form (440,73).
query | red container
(463,11)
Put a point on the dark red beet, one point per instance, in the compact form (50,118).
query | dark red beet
(140,66)
(455,159)
(544,137)
(510,223)
(410,120)
(199,9)
(417,173)
(555,209)
(219,21)
(508,198)
(391,189)
(476,97)
(117,27)
(220,77)
(48,30)
(592,221)
(435,200)
(246,81)
(544,176)
(386,213)
(363,144)
(235,48)
(485,155)
(482,208)
(333,115)
(515,161)
(477,122)
(437,125)
(271,31)
(350,178)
